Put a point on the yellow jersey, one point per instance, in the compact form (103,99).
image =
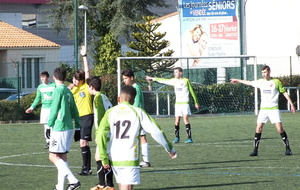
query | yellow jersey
(83,99)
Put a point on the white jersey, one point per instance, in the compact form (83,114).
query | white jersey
(119,135)
(182,88)
(269,90)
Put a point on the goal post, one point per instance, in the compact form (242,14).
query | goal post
(219,64)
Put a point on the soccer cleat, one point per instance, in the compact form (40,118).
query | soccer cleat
(189,140)
(288,152)
(176,140)
(73,186)
(145,164)
(254,153)
(98,187)
(109,188)
(85,172)
(47,145)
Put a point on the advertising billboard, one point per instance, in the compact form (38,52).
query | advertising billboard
(209,28)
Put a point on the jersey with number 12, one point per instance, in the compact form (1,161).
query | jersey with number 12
(119,135)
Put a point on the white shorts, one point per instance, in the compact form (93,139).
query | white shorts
(44,116)
(60,141)
(127,175)
(182,109)
(273,115)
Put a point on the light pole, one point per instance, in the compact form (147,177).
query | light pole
(85,8)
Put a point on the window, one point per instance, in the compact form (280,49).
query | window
(30,72)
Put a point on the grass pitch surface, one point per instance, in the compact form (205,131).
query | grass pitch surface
(218,158)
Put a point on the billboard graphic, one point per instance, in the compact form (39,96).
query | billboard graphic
(209,28)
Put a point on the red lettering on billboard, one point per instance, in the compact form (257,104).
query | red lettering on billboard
(228,31)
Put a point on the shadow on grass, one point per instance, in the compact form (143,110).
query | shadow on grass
(229,161)
(192,169)
(208,186)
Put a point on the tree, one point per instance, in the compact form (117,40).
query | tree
(117,17)
(106,59)
(114,17)
(149,43)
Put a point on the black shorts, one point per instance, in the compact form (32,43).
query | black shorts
(86,124)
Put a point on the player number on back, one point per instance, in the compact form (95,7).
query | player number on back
(124,124)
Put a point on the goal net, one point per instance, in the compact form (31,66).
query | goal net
(210,80)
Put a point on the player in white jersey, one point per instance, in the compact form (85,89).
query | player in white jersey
(44,94)
(269,90)
(118,138)
(100,104)
(182,88)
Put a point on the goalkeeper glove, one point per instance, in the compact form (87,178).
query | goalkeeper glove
(77,135)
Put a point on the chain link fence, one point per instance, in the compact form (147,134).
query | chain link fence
(211,84)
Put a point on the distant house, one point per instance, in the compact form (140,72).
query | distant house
(28,52)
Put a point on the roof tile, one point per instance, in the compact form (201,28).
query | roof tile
(11,36)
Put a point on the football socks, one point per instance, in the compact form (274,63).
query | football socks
(177,130)
(188,130)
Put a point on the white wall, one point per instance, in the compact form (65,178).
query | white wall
(273,27)
(171,26)
(273,33)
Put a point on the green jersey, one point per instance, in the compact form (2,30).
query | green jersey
(139,98)
(44,93)
(63,110)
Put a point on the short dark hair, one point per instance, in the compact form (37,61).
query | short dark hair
(179,69)
(266,67)
(45,73)
(94,82)
(130,90)
(60,73)
(79,75)
(127,73)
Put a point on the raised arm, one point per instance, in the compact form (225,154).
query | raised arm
(246,82)
(83,53)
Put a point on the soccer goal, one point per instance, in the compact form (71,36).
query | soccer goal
(210,78)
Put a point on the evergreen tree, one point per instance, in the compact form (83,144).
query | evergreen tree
(114,17)
(149,43)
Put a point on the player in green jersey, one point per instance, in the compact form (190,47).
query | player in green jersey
(183,89)
(63,111)
(269,92)
(129,79)
(44,94)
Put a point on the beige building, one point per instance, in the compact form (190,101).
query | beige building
(28,52)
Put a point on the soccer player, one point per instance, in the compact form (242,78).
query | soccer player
(44,94)
(100,104)
(118,138)
(128,79)
(269,90)
(182,88)
(83,100)
(63,109)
